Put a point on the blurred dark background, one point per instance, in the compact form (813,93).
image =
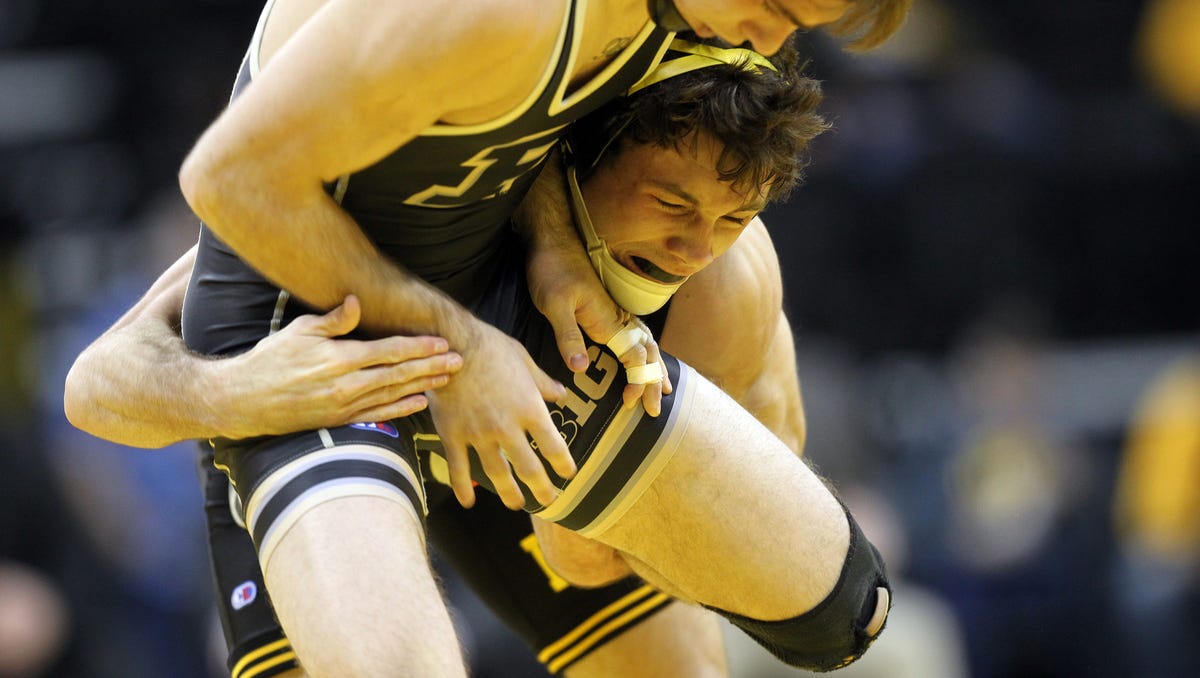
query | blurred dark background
(991,273)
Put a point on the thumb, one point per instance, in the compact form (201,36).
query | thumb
(567,335)
(342,319)
(601,318)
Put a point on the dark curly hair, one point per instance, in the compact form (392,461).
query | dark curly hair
(763,119)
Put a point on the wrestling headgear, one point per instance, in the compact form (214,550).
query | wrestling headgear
(635,293)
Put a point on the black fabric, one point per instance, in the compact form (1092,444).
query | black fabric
(666,16)
(832,634)
(235,567)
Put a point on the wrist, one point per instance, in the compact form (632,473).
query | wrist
(219,398)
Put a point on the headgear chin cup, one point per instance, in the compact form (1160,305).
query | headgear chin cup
(634,293)
(665,16)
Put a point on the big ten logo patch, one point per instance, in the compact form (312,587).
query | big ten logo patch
(490,172)
(587,388)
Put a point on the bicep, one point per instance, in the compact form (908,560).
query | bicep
(357,80)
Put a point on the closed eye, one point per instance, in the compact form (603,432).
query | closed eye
(668,205)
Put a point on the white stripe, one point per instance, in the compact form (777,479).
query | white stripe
(256,41)
(327,491)
(616,434)
(274,482)
(664,450)
(280,304)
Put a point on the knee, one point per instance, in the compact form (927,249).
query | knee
(842,626)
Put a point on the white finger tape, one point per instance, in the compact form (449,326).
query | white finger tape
(629,336)
(644,374)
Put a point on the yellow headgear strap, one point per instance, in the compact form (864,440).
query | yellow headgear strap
(702,56)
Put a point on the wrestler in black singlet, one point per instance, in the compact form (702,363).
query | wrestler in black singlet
(431,208)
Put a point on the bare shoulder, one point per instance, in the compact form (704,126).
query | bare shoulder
(723,319)
(460,52)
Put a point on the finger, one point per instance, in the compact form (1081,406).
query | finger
(459,465)
(630,336)
(342,319)
(443,364)
(394,409)
(390,394)
(551,446)
(550,388)
(601,318)
(495,465)
(652,399)
(631,395)
(568,337)
(529,469)
(399,350)
(652,394)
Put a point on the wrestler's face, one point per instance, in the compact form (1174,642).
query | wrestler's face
(664,212)
(763,23)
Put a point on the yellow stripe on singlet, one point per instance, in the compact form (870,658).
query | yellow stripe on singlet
(269,664)
(600,617)
(260,652)
(598,635)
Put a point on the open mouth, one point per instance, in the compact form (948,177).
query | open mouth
(647,268)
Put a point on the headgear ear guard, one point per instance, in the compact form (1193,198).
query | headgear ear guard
(581,154)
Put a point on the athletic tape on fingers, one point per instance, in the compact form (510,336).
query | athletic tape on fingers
(644,374)
(627,337)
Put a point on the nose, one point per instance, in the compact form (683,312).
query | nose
(695,248)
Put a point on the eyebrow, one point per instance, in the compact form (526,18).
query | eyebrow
(755,206)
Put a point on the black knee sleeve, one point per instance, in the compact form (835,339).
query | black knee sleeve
(835,632)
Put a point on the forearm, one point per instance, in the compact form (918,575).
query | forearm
(128,385)
(544,219)
(305,243)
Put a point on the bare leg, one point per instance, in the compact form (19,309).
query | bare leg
(352,586)
(735,520)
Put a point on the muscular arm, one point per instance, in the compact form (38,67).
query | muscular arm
(139,385)
(106,378)
(356,80)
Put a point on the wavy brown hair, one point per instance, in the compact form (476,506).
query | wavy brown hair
(867,23)
(764,120)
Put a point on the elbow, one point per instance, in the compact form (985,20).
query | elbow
(198,183)
(76,402)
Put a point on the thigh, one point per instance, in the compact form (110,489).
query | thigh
(734,519)
(353,589)
(336,517)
